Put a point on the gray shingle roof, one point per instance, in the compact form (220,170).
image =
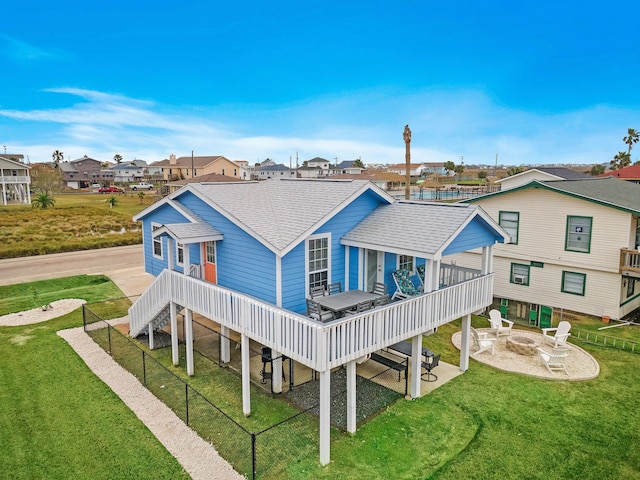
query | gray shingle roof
(562,172)
(281,212)
(190,232)
(605,190)
(421,229)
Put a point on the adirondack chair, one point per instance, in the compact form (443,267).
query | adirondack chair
(420,272)
(404,286)
(559,336)
(483,341)
(554,360)
(498,324)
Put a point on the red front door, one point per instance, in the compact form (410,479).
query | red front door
(209,255)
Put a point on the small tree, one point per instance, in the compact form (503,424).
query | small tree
(117,158)
(449,167)
(43,201)
(514,171)
(459,169)
(141,197)
(620,160)
(112,201)
(596,170)
(482,175)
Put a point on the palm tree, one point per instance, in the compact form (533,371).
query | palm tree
(117,158)
(112,201)
(620,160)
(596,170)
(57,158)
(632,137)
(43,201)
(459,169)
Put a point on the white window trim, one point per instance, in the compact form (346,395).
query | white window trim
(413,261)
(307,272)
(155,226)
(215,252)
(179,246)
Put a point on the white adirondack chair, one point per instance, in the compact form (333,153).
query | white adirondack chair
(559,336)
(499,325)
(483,342)
(554,360)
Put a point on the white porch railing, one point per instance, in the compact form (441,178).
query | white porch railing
(453,274)
(630,262)
(15,179)
(319,346)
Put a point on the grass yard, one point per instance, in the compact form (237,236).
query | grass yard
(483,424)
(77,222)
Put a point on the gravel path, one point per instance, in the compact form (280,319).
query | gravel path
(198,457)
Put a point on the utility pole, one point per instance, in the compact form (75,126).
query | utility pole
(407,157)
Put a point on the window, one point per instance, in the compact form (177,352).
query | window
(520,274)
(318,265)
(180,248)
(157,241)
(510,221)
(211,252)
(573,283)
(578,237)
(405,262)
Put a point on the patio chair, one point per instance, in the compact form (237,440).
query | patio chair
(554,360)
(431,363)
(317,291)
(315,311)
(381,300)
(379,288)
(559,336)
(404,286)
(361,307)
(483,341)
(334,287)
(497,324)
(420,272)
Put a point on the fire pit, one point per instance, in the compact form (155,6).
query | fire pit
(522,345)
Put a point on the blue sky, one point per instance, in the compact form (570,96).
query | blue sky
(535,82)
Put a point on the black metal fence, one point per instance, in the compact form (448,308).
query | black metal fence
(268,453)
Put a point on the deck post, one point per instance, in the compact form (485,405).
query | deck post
(487,259)
(188,339)
(351,396)
(325,417)
(175,356)
(151,345)
(464,343)
(246,377)
(416,365)
(225,345)
(276,372)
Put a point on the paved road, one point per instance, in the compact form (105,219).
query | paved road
(124,265)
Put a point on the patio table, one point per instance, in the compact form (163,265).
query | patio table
(341,302)
(404,347)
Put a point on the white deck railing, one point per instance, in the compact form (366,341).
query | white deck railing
(15,179)
(629,261)
(318,345)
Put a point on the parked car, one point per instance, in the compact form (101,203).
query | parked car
(141,186)
(109,189)
(95,185)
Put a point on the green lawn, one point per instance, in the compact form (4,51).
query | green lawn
(483,424)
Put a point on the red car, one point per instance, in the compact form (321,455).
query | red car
(110,189)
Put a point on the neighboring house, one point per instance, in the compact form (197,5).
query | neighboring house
(311,172)
(384,180)
(346,167)
(81,173)
(179,168)
(210,178)
(127,172)
(246,255)
(276,171)
(630,174)
(14,180)
(542,174)
(574,247)
(320,163)
(415,169)
(429,168)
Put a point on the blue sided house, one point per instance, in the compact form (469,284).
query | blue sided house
(249,255)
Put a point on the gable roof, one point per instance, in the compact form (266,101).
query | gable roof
(628,173)
(208,178)
(608,191)
(17,163)
(420,229)
(560,173)
(281,212)
(198,162)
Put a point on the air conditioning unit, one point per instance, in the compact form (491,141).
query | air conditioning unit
(520,279)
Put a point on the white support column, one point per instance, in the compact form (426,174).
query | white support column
(246,377)
(279,280)
(151,336)
(435,279)
(347,250)
(188,339)
(175,354)
(325,417)
(276,372)
(28,194)
(187,259)
(428,275)
(351,396)
(464,343)
(416,365)
(225,345)
(170,250)
(362,275)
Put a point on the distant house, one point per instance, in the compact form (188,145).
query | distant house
(630,174)
(574,246)
(322,164)
(82,172)
(347,167)
(246,256)
(14,180)
(542,174)
(415,169)
(179,168)
(127,172)
(275,171)
(209,178)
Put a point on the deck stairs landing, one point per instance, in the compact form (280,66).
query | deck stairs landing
(162,318)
